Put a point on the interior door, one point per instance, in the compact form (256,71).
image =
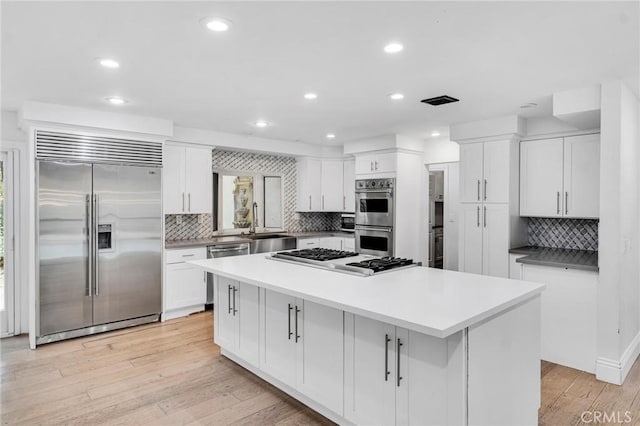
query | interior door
(63,246)
(7,281)
(128,265)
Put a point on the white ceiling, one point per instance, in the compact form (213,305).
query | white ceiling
(494,56)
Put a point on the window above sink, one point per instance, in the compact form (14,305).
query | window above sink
(234,194)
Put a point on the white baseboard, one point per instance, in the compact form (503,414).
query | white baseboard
(181,312)
(614,371)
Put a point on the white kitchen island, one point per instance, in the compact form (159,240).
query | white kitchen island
(416,346)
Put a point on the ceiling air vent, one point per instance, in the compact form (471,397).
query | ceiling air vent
(440,100)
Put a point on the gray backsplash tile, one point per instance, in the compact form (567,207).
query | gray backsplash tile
(579,234)
(264,164)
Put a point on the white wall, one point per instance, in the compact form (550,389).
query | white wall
(441,151)
(618,296)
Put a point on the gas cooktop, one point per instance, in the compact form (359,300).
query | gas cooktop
(343,261)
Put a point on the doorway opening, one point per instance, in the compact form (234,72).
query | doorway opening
(443,216)
(7,299)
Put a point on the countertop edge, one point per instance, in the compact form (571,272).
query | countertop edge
(435,332)
(202,242)
(528,260)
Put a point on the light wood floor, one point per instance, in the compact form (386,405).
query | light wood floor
(171,373)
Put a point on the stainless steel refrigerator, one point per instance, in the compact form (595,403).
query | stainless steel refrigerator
(99,247)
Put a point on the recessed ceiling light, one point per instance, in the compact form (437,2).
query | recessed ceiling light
(393,48)
(396,96)
(311,95)
(116,100)
(261,123)
(218,24)
(435,134)
(109,63)
(330,136)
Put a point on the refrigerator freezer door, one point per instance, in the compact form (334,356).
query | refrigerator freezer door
(128,267)
(63,249)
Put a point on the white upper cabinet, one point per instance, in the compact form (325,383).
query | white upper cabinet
(484,172)
(321,186)
(375,163)
(582,176)
(560,177)
(349,186)
(309,185)
(332,186)
(187,180)
(541,178)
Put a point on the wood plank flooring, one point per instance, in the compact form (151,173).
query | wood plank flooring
(172,374)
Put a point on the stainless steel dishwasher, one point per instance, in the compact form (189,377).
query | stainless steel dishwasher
(222,250)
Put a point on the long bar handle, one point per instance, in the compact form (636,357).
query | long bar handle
(289,315)
(96,254)
(323,202)
(297,312)
(485,216)
(478,189)
(90,245)
(235,290)
(386,357)
(344,202)
(478,216)
(485,190)
(399,377)
(229,298)
(376,165)
(558,203)
(566,202)
(183,201)
(189,203)
(309,202)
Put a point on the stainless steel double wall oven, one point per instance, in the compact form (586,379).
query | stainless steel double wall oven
(374,216)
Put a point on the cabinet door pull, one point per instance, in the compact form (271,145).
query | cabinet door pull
(344,202)
(485,190)
(229,298)
(309,202)
(386,357)
(371,166)
(376,163)
(558,203)
(566,202)
(485,216)
(183,201)
(289,325)
(399,344)
(323,202)
(478,189)
(189,203)
(478,216)
(297,312)
(235,311)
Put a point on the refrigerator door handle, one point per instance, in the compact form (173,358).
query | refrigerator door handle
(96,275)
(89,224)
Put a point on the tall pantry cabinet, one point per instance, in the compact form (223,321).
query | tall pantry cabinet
(489,220)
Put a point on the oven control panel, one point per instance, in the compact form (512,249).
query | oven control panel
(364,184)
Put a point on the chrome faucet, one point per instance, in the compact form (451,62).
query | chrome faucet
(254,222)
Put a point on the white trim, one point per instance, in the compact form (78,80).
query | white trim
(551,135)
(611,371)
(181,312)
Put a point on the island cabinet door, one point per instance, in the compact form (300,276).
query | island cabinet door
(248,322)
(279,325)
(320,352)
(225,316)
(421,363)
(369,379)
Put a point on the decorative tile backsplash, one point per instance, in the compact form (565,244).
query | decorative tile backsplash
(580,234)
(258,163)
(190,228)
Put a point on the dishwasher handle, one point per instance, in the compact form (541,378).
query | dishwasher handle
(213,250)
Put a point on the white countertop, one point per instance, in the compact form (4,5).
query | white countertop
(430,301)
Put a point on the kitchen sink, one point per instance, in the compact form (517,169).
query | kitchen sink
(270,242)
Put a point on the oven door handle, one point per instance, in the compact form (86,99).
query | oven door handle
(374,191)
(373,228)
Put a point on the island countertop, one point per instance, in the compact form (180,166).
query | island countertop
(430,301)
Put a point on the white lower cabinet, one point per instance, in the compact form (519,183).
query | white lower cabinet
(395,376)
(238,319)
(303,347)
(185,285)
